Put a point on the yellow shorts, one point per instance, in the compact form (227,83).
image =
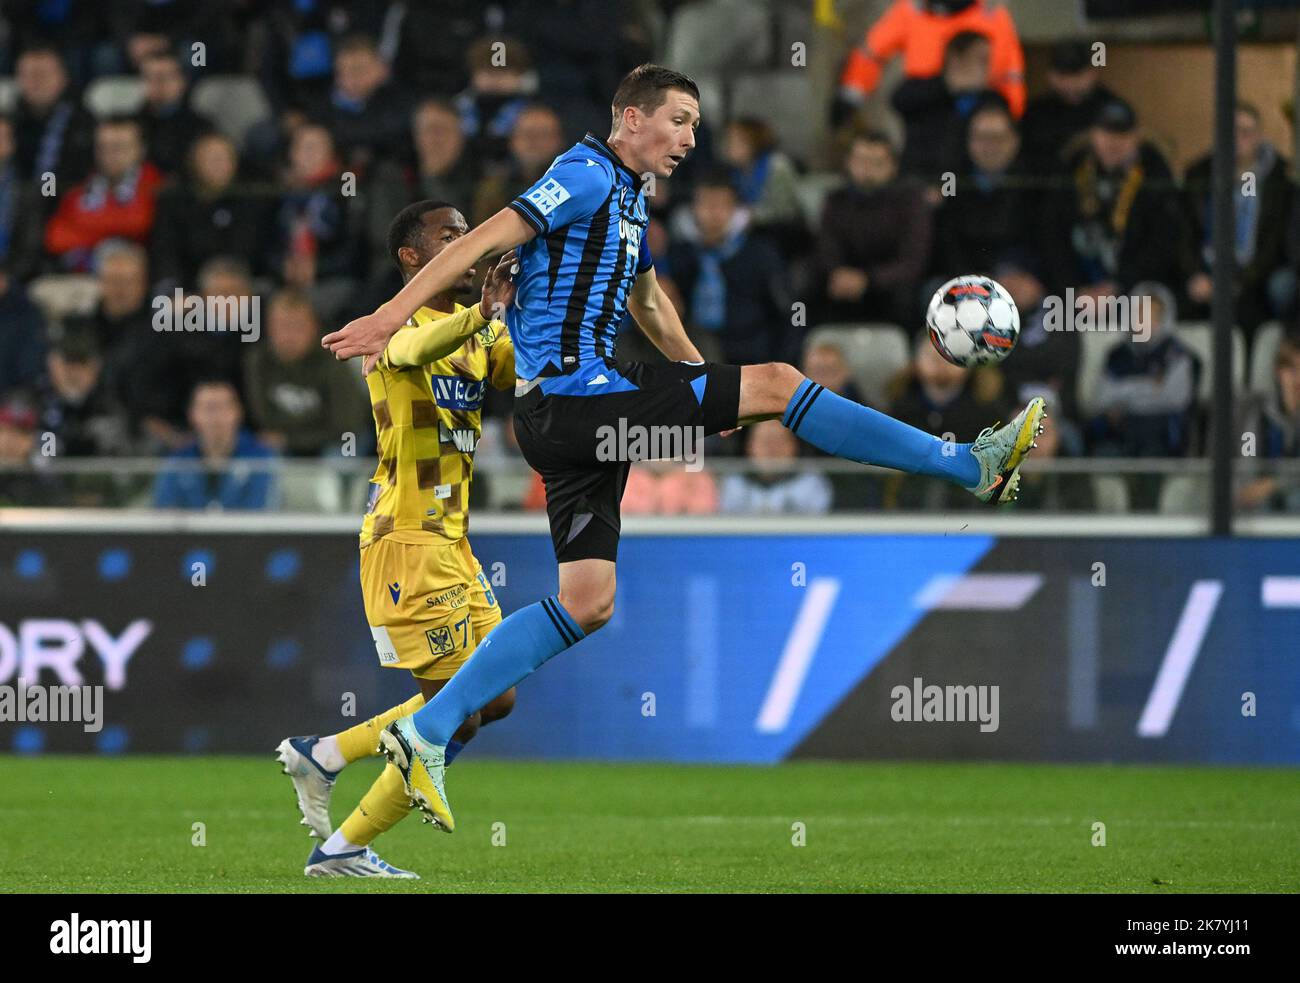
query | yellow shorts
(427,605)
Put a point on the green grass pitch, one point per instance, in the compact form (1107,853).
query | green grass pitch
(82,824)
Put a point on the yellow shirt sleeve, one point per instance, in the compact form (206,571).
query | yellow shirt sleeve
(501,358)
(432,341)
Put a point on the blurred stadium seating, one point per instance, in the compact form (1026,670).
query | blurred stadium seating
(772,70)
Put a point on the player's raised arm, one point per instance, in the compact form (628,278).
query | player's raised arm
(437,339)
(370,334)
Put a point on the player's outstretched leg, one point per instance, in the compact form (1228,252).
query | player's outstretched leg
(313,763)
(988,467)
(514,649)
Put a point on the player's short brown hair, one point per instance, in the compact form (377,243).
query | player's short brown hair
(646,87)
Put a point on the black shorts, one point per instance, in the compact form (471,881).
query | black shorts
(568,441)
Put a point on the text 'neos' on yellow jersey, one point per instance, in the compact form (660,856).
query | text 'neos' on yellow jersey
(428,420)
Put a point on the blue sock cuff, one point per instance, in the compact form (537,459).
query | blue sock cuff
(804,396)
(453,748)
(564,624)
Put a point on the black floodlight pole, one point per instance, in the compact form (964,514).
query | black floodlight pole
(1223,307)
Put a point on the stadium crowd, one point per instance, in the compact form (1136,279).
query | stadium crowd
(123,184)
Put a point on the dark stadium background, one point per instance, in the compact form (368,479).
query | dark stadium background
(1135,610)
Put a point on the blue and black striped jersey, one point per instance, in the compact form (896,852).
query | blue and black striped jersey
(589,212)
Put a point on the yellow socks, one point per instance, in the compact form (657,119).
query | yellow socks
(381,808)
(362,741)
(386,802)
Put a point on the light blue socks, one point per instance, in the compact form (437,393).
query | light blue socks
(847,429)
(512,651)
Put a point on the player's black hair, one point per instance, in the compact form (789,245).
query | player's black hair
(647,87)
(407,223)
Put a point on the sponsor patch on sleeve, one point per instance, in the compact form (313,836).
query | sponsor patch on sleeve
(548,196)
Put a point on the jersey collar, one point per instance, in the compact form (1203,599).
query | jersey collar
(605,150)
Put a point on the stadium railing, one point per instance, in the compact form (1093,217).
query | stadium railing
(1161,496)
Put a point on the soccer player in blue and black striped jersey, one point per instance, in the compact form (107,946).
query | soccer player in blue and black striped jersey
(579,233)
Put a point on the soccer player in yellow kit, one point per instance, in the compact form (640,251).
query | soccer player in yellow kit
(427,600)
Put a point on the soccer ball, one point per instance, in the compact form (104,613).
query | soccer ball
(972,320)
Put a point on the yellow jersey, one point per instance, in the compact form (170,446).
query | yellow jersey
(428,420)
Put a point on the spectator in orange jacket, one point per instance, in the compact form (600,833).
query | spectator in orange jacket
(920,30)
(666,488)
(115,202)
(653,488)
